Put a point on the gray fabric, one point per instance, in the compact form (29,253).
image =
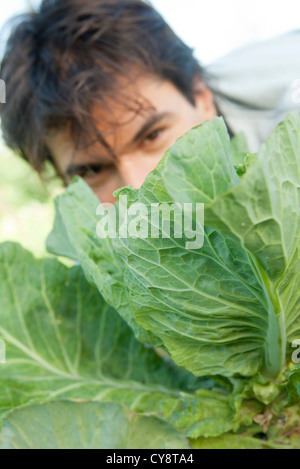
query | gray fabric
(255,87)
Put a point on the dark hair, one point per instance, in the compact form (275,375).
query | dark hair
(71,54)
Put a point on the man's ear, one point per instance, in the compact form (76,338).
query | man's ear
(204,100)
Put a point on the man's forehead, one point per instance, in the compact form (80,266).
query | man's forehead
(136,97)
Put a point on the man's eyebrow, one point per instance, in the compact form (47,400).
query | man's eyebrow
(153,119)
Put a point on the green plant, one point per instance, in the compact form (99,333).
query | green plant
(217,323)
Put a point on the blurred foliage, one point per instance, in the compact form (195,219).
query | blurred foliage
(26,203)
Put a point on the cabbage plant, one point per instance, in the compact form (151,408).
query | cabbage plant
(146,342)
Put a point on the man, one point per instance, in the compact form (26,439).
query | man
(102,88)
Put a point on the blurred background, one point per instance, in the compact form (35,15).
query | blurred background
(213,28)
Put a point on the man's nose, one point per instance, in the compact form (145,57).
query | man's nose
(134,170)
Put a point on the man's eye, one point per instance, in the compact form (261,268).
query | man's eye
(152,136)
(90,170)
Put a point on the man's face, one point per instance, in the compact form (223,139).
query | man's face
(138,141)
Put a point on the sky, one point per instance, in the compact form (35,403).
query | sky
(212,27)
